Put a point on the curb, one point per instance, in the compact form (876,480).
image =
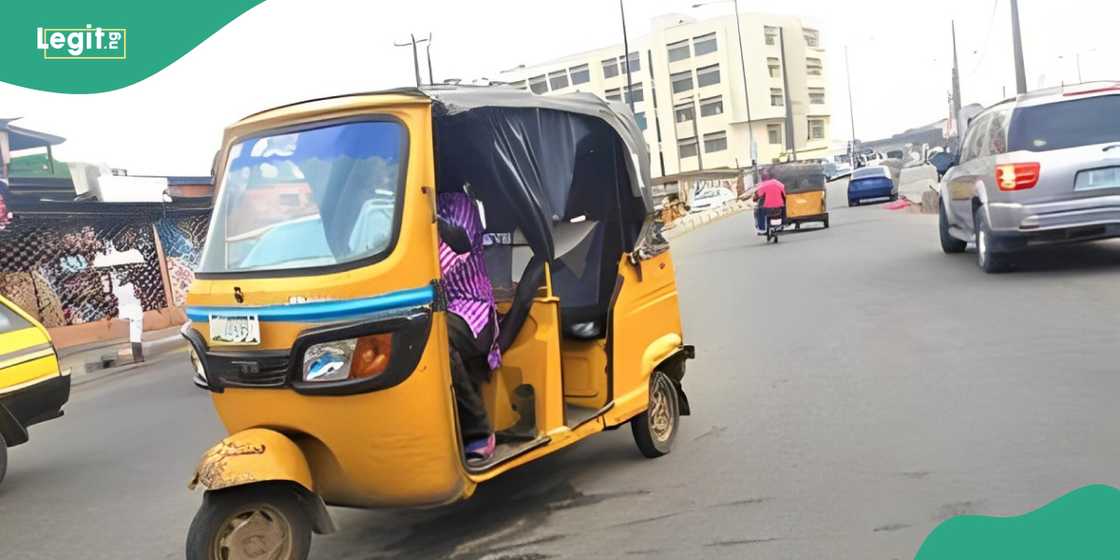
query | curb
(99,375)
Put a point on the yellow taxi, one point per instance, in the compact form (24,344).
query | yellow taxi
(32,387)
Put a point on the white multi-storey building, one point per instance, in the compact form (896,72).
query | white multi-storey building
(688,89)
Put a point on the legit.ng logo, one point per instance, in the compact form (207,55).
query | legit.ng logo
(88,43)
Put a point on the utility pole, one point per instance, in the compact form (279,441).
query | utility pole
(851,110)
(956,92)
(415,55)
(629,94)
(1017,46)
(791,139)
(747,95)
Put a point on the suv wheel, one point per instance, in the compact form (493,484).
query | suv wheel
(989,261)
(949,244)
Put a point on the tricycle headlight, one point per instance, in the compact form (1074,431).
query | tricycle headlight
(328,361)
(352,358)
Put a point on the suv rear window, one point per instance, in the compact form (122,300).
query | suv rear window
(11,321)
(1066,124)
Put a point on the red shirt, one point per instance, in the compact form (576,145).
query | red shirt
(772,193)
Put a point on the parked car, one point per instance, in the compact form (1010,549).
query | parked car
(869,183)
(1040,168)
(711,198)
(32,387)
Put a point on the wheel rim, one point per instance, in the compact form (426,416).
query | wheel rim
(256,533)
(661,410)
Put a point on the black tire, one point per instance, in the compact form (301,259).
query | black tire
(894,197)
(656,439)
(949,244)
(989,261)
(853,203)
(273,503)
(825,222)
(3,457)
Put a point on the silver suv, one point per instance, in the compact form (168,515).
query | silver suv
(1043,167)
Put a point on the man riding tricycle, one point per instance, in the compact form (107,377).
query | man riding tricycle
(406,294)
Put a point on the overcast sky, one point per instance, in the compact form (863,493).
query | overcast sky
(287,50)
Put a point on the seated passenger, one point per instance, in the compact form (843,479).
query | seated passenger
(472,324)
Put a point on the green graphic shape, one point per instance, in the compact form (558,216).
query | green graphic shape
(152,35)
(1084,524)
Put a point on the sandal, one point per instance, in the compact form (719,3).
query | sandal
(481,450)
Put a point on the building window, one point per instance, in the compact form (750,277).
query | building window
(704,44)
(678,51)
(775,67)
(610,67)
(813,67)
(580,74)
(711,106)
(816,129)
(635,62)
(776,98)
(812,38)
(641,118)
(558,80)
(538,84)
(687,147)
(682,81)
(774,133)
(715,142)
(816,96)
(614,94)
(771,35)
(519,85)
(707,76)
(635,94)
(684,113)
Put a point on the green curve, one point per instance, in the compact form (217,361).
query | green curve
(158,33)
(1082,524)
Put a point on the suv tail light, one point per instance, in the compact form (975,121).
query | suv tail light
(1017,176)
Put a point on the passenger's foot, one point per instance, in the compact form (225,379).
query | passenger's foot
(481,450)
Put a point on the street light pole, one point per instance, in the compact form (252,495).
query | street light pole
(851,110)
(1017,46)
(629,95)
(431,76)
(753,147)
(415,55)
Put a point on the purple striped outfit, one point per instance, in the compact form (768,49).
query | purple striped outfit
(469,292)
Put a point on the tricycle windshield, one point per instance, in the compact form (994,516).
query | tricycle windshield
(309,198)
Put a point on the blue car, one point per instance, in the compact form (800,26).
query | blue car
(871,182)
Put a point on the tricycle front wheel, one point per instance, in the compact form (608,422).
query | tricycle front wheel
(655,429)
(3,457)
(251,522)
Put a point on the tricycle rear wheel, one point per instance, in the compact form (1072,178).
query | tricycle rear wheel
(655,429)
(257,522)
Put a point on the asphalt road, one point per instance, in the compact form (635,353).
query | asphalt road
(853,387)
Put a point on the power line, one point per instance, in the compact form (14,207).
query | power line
(987,39)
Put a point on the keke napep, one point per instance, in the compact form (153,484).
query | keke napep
(324,233)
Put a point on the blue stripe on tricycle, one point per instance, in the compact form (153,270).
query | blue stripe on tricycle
(321,310)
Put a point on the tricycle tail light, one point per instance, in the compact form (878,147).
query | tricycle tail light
(371,356)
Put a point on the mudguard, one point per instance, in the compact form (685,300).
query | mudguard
(14,433)
(252,456)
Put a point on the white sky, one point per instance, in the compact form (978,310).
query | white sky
(288,50)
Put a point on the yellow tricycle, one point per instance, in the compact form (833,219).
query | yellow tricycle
(321,311)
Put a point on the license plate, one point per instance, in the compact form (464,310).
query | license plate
(775,222)
(243,329)
(1093,179)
